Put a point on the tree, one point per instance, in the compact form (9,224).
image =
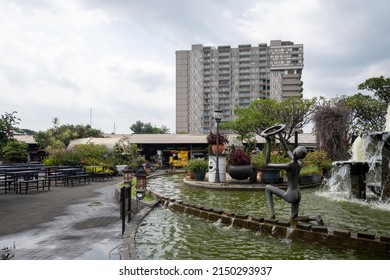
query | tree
(259,115)
(263,113)
(296,113)
(61,135)
(367,113)
(331,124)
(147,128)
(125,152)
(8,122)
(380,86)
(15,151)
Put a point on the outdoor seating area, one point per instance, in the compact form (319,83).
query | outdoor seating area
(23,178)
(16,178)
(99,173)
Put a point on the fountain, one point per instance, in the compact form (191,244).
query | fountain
(234,225)
(355,229)
(370,154)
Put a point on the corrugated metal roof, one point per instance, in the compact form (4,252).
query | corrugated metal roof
(110,140)
(305,138)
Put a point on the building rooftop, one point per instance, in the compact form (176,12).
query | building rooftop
(307,139)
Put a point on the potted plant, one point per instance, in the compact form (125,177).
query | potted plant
(189,171)
(222,140)
(199,168)
(272,175)
(319,159)
(258,163)
(309,174)
(239,164)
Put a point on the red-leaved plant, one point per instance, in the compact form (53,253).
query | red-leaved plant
(222,138)
(239,157)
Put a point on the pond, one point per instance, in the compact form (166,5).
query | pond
(165,234)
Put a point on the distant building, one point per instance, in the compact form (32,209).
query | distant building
(152,144)
(208,78)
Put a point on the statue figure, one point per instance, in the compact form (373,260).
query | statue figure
(293,193)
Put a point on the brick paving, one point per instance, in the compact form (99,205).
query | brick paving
(79,222)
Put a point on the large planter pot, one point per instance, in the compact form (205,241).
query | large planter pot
(199,175)
(191,174)
(270,176)
(240,172)
(309,179)
(221,148)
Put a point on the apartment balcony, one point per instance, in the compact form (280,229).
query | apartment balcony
(291,88)
(244,94)
(244,70)
(292,82)
(223,94)
(224,59)
(224,101)
(245,87)
(245,82)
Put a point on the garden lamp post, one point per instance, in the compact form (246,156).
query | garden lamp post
(140,187)
(126,195)
(127,175)
(218,117)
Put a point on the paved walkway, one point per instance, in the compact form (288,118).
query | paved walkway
(79,222)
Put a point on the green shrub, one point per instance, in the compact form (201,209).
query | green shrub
(81,154)
(309,170)
(258,159)
(318,158)
(197,164)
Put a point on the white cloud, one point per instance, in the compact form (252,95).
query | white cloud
(64,58)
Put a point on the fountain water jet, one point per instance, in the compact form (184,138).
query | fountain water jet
(370,155)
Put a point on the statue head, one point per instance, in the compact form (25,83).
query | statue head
(299,152)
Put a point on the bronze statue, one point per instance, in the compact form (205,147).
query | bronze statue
(293,193)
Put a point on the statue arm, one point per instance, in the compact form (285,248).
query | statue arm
(285,146)
(278,166)
(268,151)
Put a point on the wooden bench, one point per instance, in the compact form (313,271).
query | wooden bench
(101,176)
(83,178)
(6,184)
(33,184)
(57,178)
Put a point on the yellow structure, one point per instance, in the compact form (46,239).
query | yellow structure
(178,158)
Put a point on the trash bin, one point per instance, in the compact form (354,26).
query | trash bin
(213,167)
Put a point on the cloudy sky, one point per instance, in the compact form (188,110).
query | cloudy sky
(111,63)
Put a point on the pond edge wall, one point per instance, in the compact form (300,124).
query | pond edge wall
(364,242)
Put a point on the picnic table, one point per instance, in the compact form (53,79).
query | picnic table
(72,175)
(23,179)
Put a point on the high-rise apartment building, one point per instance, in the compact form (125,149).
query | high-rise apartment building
(223,77)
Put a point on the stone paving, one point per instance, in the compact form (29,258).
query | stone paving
(79,222)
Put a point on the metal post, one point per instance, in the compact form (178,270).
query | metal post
(217,167)
(295,138)
(123,208)
(129,203)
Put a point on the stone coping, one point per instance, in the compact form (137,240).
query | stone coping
(233,185)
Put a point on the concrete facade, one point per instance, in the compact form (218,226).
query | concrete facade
(223,77)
